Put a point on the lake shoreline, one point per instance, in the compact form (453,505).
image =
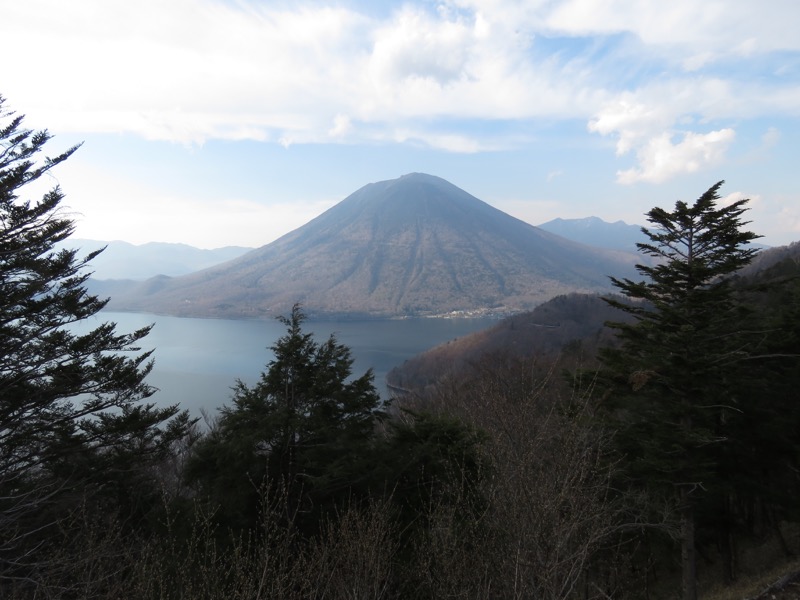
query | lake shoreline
(198,360)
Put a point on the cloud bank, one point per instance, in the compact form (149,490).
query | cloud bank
(655,78)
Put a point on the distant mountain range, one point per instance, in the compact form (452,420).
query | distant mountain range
(121,260)
(416,245)
(593,231)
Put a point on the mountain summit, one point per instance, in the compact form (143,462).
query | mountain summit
(417,245)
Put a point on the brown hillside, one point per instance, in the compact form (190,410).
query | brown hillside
(544,331)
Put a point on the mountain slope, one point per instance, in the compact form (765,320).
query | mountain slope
(416,245)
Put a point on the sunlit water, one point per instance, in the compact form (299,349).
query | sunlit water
(197,361)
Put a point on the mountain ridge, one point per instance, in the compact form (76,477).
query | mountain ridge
(124,260)
(594,231)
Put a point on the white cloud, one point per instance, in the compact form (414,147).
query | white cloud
(341,126)
(646,122)
(416,45)
(689,32)
(442,141)
(451,65)
(661,159)
(732,197)
(193,70)
(788,220)
(776,215)
(185,70)
(631,120)
(426,73)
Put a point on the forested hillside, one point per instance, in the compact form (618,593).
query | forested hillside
(697,375)
(572,324)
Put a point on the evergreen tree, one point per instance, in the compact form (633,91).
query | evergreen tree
(70,403)
(674,373)
(305,430)
(761,470)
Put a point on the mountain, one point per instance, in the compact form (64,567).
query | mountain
(121,260)
(596,232)
(417,245)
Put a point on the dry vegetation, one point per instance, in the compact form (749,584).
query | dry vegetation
(548,523)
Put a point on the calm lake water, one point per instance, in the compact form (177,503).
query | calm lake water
(197,361)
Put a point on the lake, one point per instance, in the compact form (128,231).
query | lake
(197,361)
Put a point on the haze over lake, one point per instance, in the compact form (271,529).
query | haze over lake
(197,361)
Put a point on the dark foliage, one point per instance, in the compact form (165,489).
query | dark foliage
(680,383)
(73,425)
(305,429)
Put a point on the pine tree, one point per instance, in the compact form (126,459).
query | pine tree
(305,430)
(70,403)
(674,372)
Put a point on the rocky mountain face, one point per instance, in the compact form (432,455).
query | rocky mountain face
(416,245)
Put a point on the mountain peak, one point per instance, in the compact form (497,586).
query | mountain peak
(414,179)
(417,176)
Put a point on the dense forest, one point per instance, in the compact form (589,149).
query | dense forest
(660,459)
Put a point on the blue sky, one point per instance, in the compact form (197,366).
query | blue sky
(232,122)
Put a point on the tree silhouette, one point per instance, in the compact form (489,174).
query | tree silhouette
(305,429)
(70,402)
(674,392)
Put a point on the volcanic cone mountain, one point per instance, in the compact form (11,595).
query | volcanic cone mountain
(416,245)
